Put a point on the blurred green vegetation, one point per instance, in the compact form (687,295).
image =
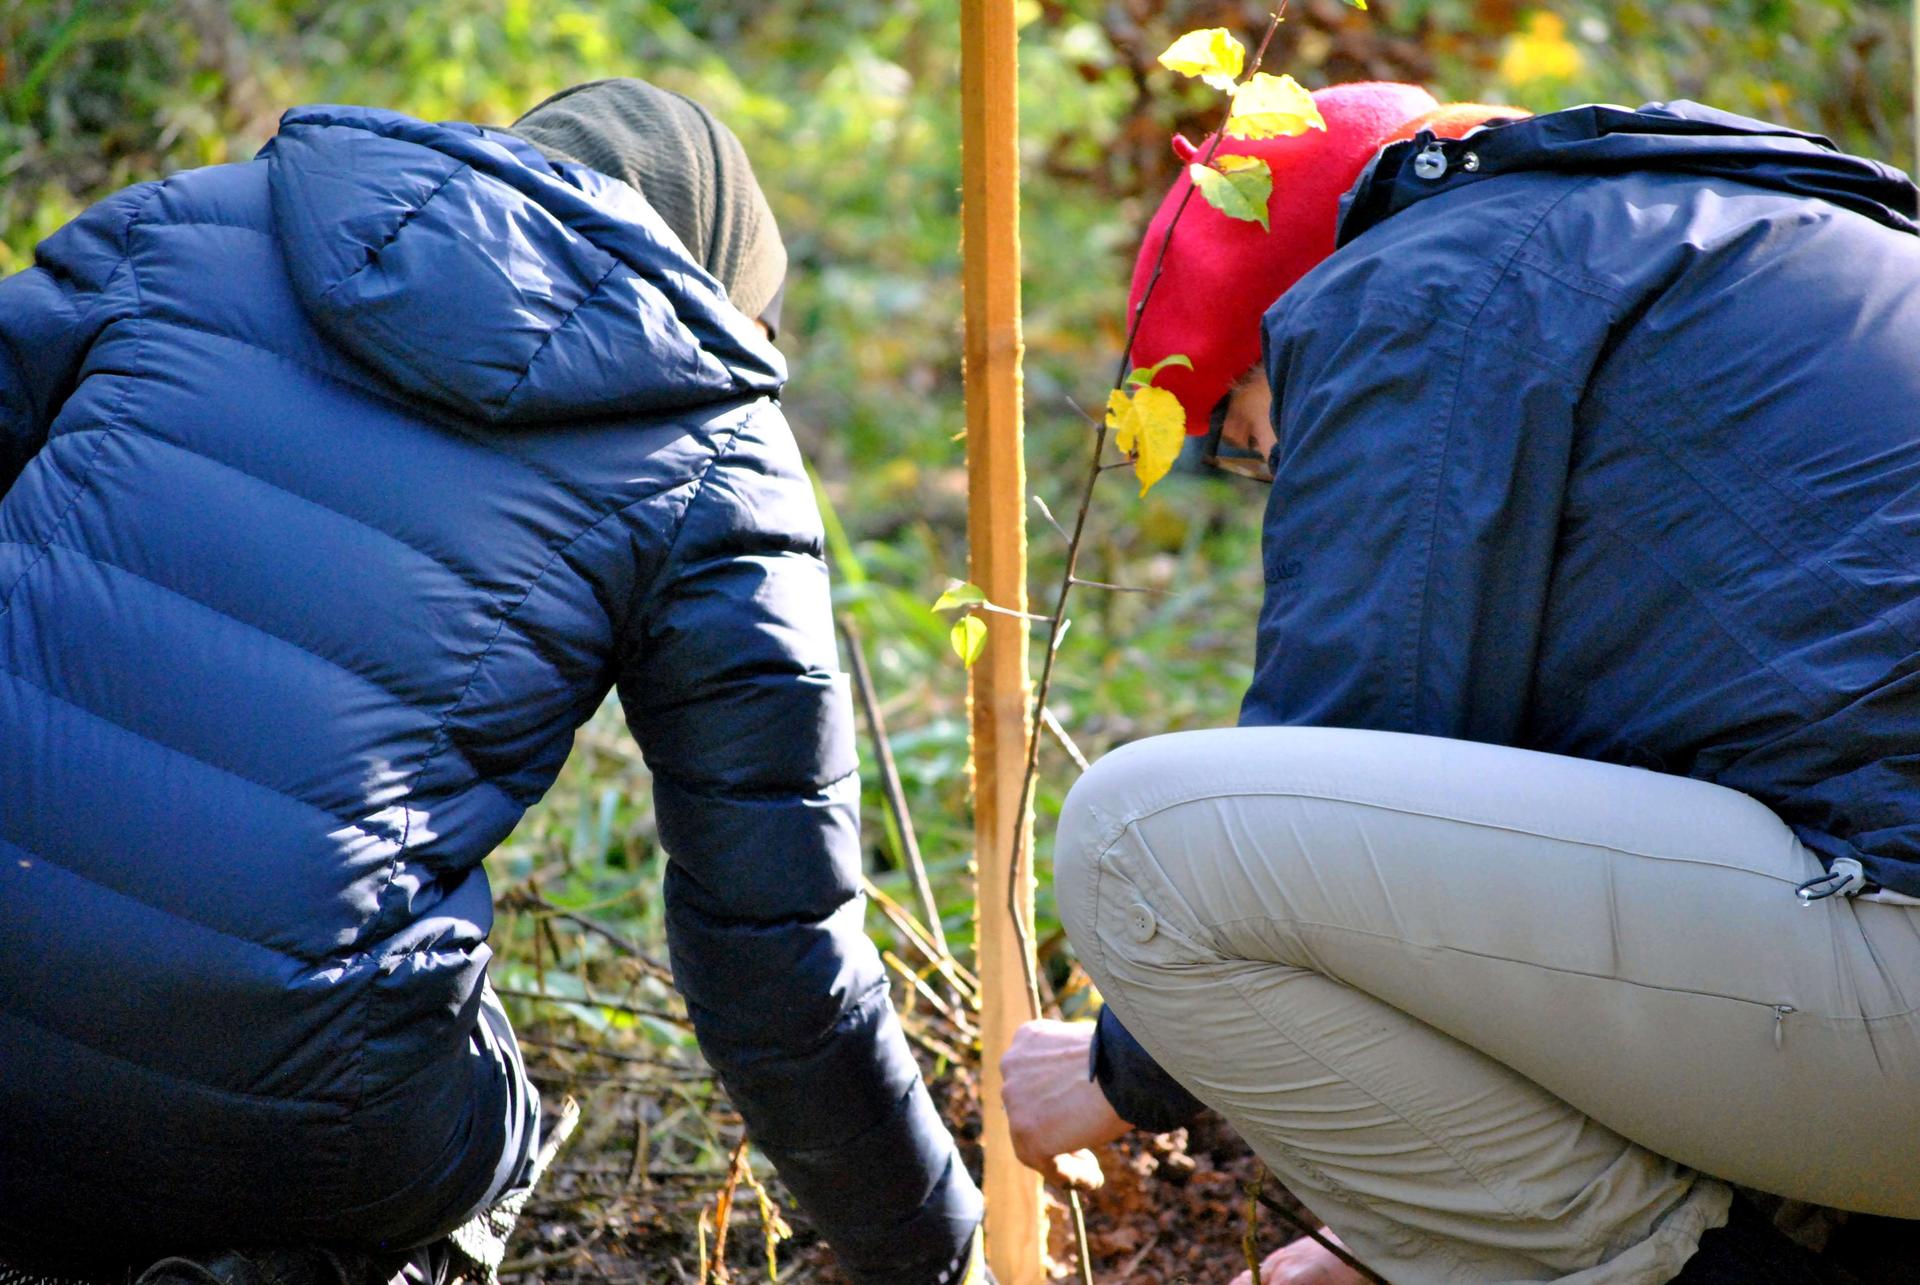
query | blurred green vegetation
(850,110)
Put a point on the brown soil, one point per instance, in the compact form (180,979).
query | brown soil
(1172,1211)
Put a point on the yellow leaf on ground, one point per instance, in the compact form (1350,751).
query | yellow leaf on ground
(1213,55)
(1150,426)
(1541,52)
(1273,107)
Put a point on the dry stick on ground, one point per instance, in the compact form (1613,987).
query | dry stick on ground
(890,780)
(1302,1225)
(723,1214)
(950,968)
(619,940)
(631,1010)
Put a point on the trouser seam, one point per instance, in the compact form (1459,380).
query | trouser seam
(1483,823)
(1306,925)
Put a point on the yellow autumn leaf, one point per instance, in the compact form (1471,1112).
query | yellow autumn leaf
(1150,426)
(969,638)
(1213,55)
(1273,107)
(1541,52)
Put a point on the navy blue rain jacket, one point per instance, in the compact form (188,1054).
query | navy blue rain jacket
(1604,440)
(339,487)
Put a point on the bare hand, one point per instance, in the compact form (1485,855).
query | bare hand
(1054,1110)
(1304,1262)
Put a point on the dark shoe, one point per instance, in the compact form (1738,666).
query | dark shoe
(1749,1250)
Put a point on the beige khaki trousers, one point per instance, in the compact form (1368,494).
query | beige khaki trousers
(1494,1015)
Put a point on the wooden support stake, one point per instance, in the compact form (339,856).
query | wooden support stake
(997,537)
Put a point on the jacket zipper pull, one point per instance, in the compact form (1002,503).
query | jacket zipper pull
(1780,1012)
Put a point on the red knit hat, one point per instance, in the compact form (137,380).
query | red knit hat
(1456,120)
(1221,274)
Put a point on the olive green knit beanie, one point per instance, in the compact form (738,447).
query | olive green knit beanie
(688,165)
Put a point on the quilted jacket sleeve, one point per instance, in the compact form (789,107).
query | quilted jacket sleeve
(734,693)
(49,315)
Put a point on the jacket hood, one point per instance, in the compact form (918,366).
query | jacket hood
(1683,137)
(471,272)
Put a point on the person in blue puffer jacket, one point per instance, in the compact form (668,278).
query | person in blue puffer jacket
(339,487)
(1562,874)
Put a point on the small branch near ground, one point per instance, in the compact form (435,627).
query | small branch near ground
(615,1055)
(1250,1239)
(619,940)
(890,782)
(1306,1228)
(919,986)
(1080,1234)
(723,1217)
(631,1010)
(950,968)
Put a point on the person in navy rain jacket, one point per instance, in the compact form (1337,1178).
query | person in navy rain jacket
(1563,871)
(339,487)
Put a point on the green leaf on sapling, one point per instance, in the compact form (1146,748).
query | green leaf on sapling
(1237,186)
(960,594)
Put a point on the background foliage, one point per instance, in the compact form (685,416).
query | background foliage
(849,109)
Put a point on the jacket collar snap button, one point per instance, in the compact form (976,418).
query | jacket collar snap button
(1431,163)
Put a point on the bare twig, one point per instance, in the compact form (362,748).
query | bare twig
(632,1010)
(1052,521)
(535,1262)
(619,940)
(890,782)
(1139,1257)
(1009,611)
(1250,1238)
(1066,742)
(1023,931)
(1080,1234)
(950,968)
(1115,588)
(926,992)
(614,1055)
(723,1214)
(1302,1225)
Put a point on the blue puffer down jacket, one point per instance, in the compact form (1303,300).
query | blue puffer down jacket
(1600,435)
(339,488)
